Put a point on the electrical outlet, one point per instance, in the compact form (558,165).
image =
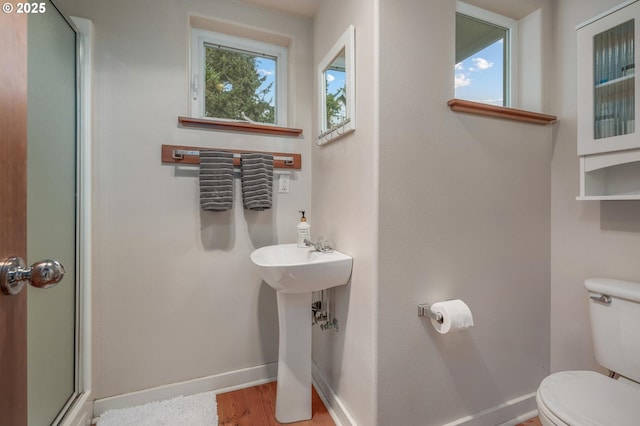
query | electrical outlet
(283,182)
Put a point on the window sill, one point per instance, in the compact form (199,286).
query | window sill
(478,108)
(238,126)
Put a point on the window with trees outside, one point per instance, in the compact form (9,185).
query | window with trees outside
(483,69)
(237,79)
(336,91)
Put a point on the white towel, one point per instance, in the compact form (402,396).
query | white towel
(257,180)
(216,180)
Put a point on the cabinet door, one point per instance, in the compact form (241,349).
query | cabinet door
(607,93)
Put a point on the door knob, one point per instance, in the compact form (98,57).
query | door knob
(43,274)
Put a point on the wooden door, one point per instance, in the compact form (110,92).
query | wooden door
(13,209)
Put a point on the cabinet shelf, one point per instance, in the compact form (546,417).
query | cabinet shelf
(610,176)
(615,82)
(608,197)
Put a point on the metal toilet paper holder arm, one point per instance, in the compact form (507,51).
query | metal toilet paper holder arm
(424,310)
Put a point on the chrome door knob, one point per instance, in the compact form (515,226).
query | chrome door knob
(43,274)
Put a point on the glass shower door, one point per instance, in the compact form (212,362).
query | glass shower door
(51,213)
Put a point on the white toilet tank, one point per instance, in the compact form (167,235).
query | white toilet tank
(615,326)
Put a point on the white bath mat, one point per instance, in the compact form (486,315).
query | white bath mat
(195,410)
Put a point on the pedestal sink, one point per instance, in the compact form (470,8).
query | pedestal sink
(294,273)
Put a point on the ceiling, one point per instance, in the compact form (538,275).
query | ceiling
(304,8)
(514,9)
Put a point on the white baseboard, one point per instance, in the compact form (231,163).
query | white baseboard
(508,413)
(219,383)
(332,401)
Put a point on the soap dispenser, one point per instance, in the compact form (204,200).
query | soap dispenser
(304,230)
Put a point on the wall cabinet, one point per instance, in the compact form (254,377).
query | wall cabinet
(608,102)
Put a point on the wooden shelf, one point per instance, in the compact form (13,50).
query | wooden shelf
(169,157)
(238,126)
(487,110)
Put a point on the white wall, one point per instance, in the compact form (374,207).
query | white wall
(345,207)
(175,294)
(464,207)
(530,55)
(464,213)
(588,238)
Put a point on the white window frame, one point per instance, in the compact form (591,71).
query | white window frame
(200,38)
(511,25)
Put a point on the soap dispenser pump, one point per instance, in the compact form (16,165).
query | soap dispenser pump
(304,231)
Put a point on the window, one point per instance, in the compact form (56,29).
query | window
(484,69)
(335,83)
(238,79)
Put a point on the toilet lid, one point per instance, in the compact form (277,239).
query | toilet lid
(591,399)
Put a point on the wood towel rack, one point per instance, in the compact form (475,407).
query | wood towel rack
(178,154)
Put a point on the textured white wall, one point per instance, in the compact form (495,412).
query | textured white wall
(588,238)
(464,213)
(530,56)
(345,207)
(175,294)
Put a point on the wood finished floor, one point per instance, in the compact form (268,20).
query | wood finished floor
(531,422)
(255,406)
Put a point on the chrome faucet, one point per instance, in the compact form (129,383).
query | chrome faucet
(323,246)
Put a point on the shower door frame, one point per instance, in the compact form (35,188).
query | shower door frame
(13,309)
(79,408)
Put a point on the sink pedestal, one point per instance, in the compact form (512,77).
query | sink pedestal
(295,272)
(293,398)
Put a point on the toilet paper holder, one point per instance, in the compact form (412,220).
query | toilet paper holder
(424,310)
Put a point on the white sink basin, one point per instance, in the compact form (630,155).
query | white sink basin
(296,272)
(290,269)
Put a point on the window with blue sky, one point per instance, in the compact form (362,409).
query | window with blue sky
(480,69)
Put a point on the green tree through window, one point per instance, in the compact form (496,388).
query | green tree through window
(336,107)
(235,85)
(336,92)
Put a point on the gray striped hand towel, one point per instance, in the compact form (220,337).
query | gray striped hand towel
(216,180)
(257,180)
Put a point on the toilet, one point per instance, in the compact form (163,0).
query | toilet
(587,398)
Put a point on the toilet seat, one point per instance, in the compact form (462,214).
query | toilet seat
(545,416)
(587,398)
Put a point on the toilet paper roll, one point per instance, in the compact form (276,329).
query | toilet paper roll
(456,315)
